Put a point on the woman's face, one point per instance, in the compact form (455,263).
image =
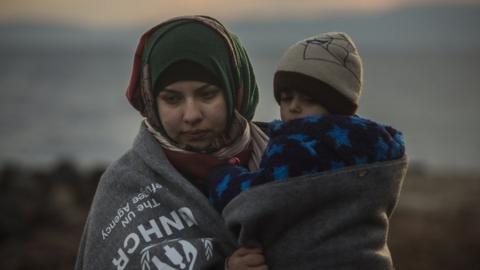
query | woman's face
(193,113)
(294,104)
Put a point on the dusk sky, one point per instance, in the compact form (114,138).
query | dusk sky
(128,12)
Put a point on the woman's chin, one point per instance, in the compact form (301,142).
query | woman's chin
(198,145)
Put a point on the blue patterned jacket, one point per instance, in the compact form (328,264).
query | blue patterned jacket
(307,146)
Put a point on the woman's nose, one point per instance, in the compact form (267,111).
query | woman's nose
(192,113)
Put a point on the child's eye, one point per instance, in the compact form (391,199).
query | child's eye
(286,97)
(306,99)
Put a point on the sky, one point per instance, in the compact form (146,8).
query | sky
(127,12)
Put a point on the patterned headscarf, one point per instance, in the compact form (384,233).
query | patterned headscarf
(199,39)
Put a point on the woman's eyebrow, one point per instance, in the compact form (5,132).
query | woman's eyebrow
(171,91)
(204,86)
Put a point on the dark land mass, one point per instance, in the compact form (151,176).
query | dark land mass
(436,224)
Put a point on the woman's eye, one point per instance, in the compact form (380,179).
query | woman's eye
(171,99)
(210,94)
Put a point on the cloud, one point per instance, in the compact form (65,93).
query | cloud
(125,12)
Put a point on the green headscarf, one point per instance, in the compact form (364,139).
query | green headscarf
(202,40)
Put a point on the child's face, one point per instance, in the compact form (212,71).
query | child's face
(294,104)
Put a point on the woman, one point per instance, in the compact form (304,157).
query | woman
(193,82)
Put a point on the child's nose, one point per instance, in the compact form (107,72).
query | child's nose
(295,105)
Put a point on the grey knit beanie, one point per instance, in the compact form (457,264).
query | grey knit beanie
(327,68)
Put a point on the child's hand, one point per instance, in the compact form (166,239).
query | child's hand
(247,259)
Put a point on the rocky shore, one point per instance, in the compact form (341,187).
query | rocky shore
(42,214)
(436,224)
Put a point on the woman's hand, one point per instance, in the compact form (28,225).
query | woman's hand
(247,259)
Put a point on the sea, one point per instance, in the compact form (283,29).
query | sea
(62,96)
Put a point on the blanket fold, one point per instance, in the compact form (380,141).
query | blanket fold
(330,220)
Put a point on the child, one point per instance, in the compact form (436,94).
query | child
(317,84)
(328,180)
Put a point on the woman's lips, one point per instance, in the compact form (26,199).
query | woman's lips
(196,134)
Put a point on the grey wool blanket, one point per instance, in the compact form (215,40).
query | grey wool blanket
(332,220)
(145,215)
